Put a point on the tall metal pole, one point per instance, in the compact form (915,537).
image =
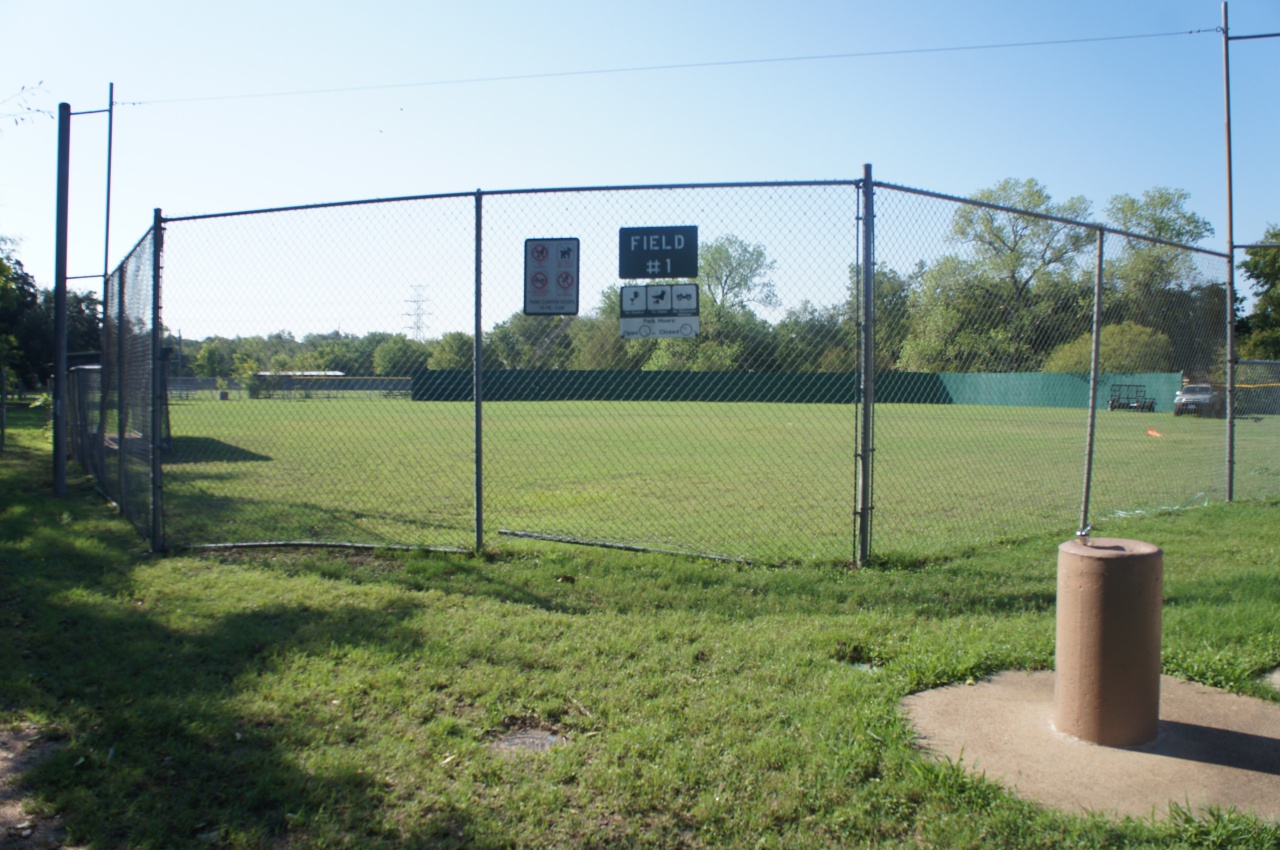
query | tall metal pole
(1094,370)
(60,303)
(122,407)
(865,490)
(1231,269)
(158,400)
(477,381)
(106,229)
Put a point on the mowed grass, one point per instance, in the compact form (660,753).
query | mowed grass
(299,699)
(772,482)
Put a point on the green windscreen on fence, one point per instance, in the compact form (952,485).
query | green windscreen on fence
(1033,389)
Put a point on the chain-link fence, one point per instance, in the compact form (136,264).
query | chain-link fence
(4,404)
(1257,407)
(118,441)
(320,382)
(984,325)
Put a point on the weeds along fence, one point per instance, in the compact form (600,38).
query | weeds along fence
(366,373)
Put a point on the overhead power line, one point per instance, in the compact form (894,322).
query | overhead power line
(682,66)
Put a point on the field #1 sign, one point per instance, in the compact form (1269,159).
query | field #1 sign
(666,310)
(654,253)
(551,277)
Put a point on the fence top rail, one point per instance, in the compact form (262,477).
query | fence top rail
(1068,221)
(637,187)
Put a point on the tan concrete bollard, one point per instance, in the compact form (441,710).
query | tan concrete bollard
(1107,687)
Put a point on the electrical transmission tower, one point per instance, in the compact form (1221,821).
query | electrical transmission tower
(417,316)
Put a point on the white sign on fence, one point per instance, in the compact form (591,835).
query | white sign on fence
(551,277)
(660,327)
(659,311)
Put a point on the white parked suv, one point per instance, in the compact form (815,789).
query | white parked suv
(1200,399)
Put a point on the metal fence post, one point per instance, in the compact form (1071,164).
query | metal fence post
(1231,268)
(1230,378)
(60,303)
(477,379)
(868,377)
(157,388)
(122,414)
(1094,368)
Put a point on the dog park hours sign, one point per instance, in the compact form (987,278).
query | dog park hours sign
(659,311)
(551,277)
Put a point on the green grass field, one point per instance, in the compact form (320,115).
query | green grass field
(772,482)
(281,699)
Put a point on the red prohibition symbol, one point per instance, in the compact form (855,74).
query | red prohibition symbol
(539,280)
(565,280)
(540,252)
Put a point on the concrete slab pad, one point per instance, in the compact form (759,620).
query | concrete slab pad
(1214,748)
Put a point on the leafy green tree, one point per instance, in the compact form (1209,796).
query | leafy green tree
(214,359)
(529,342)
(1260,336)
(1122,348)
(454,350)
(892,305)
(1161,213)
(400,356)
(734,275)
(731,340)
(345,353)
(33,332)
(1161,286)
(597,342)
(1014,293)
(694,355)
(807,333)
(1145,272)
(247,369)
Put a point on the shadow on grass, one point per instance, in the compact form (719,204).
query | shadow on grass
(188,450)
(194,517)
(157,752)
(156,756)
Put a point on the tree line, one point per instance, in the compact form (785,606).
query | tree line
(1009,293)
(27,324)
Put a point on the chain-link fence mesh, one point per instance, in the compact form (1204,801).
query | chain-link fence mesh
(4,405)
(983,332)
(1164,325)
(739,441)
(292,420)
(84,418)
(320,375)
(1257,404)
(319,434)
(122,450)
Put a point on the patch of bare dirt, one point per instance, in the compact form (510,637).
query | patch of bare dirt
(20,749)
(528,734)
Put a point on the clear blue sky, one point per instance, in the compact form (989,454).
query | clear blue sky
(1092,119)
